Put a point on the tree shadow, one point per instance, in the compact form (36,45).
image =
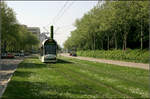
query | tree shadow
(43,65)
(31,65)
(22,73)
(40,90)
(60,61)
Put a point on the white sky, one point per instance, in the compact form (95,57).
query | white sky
(42,13)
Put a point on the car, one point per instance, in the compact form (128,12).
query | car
(22,54)
(7,55)
(17,54)
(72,54)
(4,55)
(10,55)
(26,53)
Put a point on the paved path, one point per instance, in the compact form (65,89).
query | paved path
(7,68)
(120,63)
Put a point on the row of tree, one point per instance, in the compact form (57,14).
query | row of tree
(113,25)
(14,37)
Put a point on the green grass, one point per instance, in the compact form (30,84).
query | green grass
(140,56)
(73,78)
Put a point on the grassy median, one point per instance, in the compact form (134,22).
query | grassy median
(73,78)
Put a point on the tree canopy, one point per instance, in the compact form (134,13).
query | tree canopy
(14,36)
(113,25)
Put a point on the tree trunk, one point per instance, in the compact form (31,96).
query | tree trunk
(5,46)
(125,39)
(141,36)
(116,46)
(102,43)
(107,42)
(125,43)
(94,42)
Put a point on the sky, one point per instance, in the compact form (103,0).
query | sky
(60,14)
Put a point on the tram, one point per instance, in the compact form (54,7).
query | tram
(49,49)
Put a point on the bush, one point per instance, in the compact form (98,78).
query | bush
(136,55)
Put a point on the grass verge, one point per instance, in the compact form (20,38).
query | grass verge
(140,56)
(73,78)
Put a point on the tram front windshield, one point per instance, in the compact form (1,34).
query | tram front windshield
(50,49)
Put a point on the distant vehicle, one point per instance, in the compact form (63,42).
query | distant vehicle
(22,54)
(72,52)
(17,54)
(4,55)
(7,55)
(49,49)
(26,53)
(10,55)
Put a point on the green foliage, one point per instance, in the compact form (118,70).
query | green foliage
(128,55)
(15,37)
(113,25)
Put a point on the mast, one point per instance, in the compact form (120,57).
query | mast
(51,37)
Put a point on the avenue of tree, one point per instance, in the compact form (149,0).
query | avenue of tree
(14,37)
(114,25)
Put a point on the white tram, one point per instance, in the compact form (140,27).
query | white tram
(49,49)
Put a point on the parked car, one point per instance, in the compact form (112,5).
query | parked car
(22,54)
(7,55)
(4,55)
(26,53)
(17,54)
(72,53)
(10,55)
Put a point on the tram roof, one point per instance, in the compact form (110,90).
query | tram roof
(44,41)
(47,40)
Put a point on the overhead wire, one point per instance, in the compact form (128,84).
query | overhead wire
(62,15)
(64,11)
(59,15)
(63,7)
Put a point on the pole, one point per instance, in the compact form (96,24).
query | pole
(51,32)
(0,28)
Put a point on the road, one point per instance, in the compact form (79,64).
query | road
(7,68)
(120,63)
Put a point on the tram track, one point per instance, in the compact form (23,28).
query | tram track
(97,82)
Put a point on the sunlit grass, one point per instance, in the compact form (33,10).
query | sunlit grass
(73,78)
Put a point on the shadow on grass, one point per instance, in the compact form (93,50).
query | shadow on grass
(31,65)
(61,61)
(22,73)
(42,65)
(39,90)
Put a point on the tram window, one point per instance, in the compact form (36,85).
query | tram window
(50,49)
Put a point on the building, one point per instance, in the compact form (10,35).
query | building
(35,31)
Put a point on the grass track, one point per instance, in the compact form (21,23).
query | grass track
(73,78)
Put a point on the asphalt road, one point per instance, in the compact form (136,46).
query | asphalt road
(7,68)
